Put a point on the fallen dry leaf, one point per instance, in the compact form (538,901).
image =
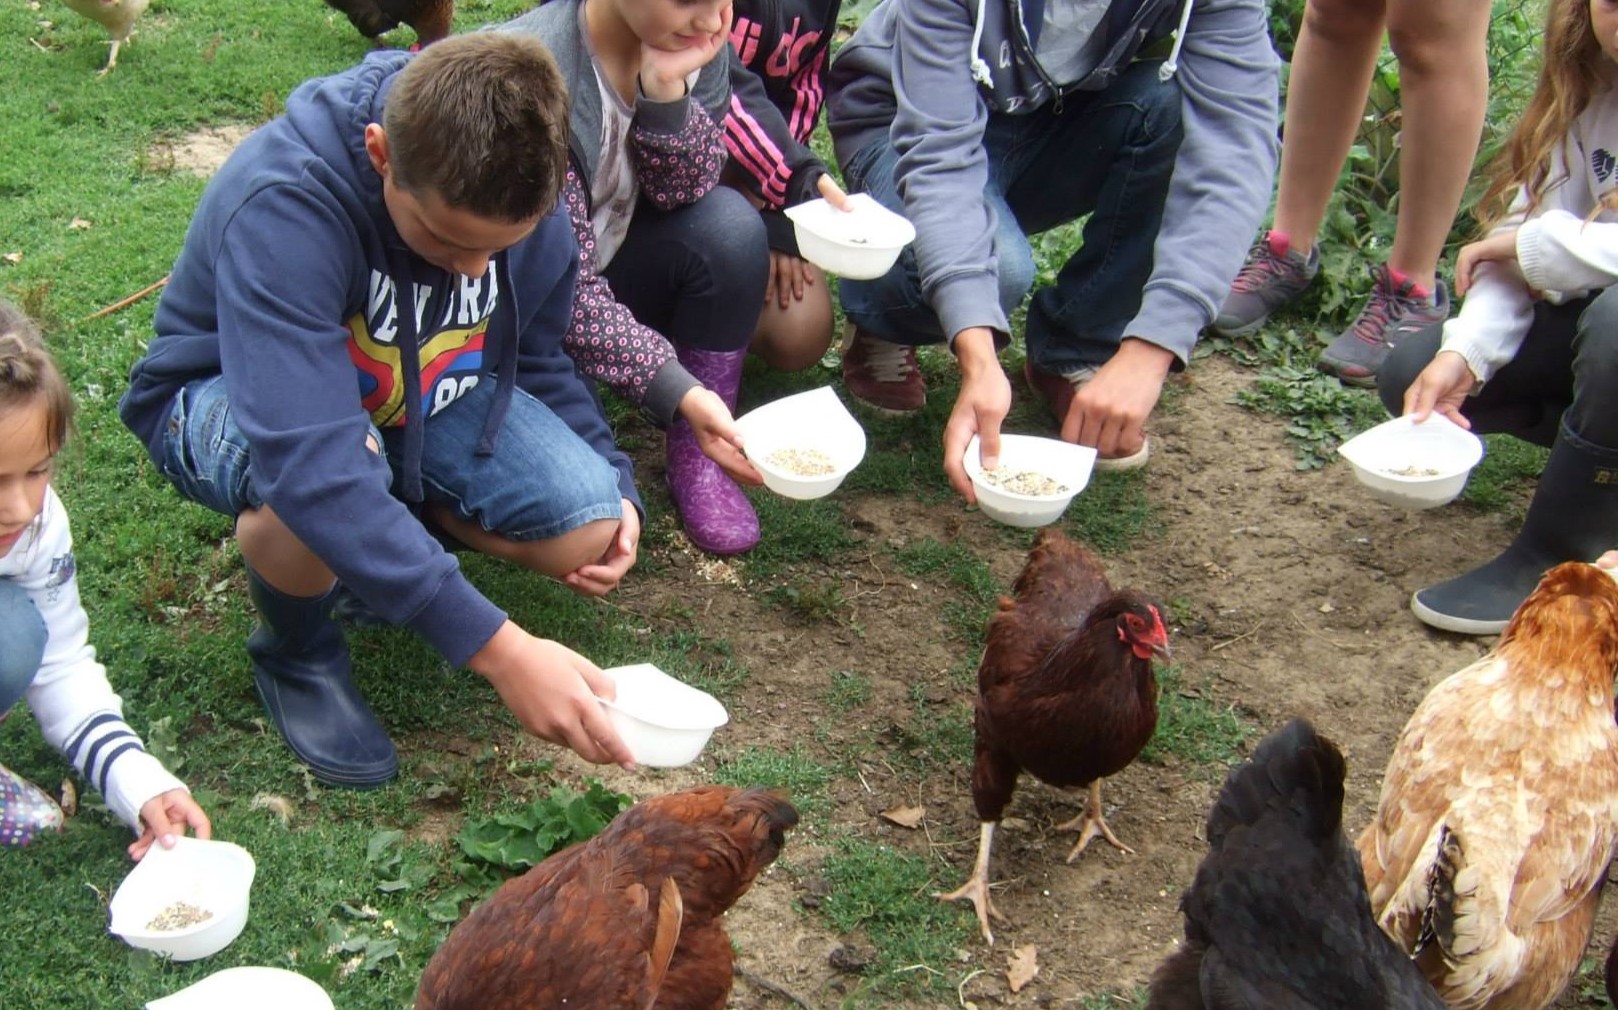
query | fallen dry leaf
(1022,966)
(12,258)
(78,224)
(280,806)
(70,798)
(905,817)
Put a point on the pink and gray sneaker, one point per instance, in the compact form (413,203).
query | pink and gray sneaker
(1397,308)
(1274,275)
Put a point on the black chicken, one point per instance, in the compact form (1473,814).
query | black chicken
(1278,917)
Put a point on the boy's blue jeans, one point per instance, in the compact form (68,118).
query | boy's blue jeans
(1108,154)
(22,643)
(542,481)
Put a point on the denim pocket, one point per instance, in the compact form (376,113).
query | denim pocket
(204,454)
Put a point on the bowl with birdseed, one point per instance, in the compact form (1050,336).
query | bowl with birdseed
(1411,465)
(186,902)
(1035,480)
(804,444)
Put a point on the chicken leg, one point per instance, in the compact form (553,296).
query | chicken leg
(1090,824)
(976,889)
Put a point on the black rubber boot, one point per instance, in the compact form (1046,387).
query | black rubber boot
(1573,517)
(301,670)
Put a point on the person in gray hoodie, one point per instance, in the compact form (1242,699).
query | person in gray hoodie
(986,121)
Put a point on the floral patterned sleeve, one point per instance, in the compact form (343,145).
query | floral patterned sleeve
(677,153)
(605,340)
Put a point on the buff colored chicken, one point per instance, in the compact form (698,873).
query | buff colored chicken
(116,16)
(1499,811)
(633,919)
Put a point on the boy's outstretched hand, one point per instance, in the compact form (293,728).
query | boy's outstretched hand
(552,691)
(166,816)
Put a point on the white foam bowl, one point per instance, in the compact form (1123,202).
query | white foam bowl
(1068,464)
(860,243)
(813,421)
(665,722)
(247,988)
(1419,466)
(215,876)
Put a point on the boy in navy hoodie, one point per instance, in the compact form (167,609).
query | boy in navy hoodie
(359,355)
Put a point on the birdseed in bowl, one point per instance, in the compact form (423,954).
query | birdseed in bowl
(179,915)
(1414,471)
(801,462)
(1028,482)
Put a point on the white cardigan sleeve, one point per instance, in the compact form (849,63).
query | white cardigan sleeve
(1558,256)
(78,712)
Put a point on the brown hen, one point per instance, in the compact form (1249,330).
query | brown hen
(1065,692)
(629,919)
(1499,810)
(430,19)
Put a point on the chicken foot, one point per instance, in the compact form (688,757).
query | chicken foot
(976,889)
(1090,824)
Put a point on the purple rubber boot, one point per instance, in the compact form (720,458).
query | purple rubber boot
(717,516)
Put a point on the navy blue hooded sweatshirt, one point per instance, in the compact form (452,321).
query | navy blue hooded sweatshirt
(286,284)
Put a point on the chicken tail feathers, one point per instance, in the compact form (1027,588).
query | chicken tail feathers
(670,913)
(1439,915)
(1295,768)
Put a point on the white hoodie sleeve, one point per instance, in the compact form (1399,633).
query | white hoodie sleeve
(78,712)
(1558,255)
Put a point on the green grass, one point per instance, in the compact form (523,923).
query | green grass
(1193,731)
(885,896)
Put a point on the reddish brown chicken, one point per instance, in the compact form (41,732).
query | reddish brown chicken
(1066,693)
(429,18)
(626,921)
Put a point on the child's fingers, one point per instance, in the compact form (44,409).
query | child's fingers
(194,816)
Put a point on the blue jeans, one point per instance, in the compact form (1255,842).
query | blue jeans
(22,643)
(1109,154)
(1566,367)
(542,480)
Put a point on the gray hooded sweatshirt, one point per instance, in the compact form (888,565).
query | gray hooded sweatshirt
(925,75)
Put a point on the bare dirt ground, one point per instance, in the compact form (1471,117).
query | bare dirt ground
(1289,591)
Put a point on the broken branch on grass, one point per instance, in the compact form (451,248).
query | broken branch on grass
(125,302)
(1249,633)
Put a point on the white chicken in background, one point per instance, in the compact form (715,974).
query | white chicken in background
(116,16)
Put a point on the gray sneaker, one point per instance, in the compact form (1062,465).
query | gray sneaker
(1273,275)
(1393,312)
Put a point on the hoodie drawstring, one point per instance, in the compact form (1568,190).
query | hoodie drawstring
(502,327)
(980,67)
(1172,64)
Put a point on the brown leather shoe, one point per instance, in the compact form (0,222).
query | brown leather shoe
(881,375)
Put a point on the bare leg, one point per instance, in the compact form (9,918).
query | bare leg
(1090,824)
(1331,76)
(793,338)
(554,557)
(278,556)
(976,889)
(1444,92)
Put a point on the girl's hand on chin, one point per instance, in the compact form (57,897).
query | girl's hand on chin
(663,72)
